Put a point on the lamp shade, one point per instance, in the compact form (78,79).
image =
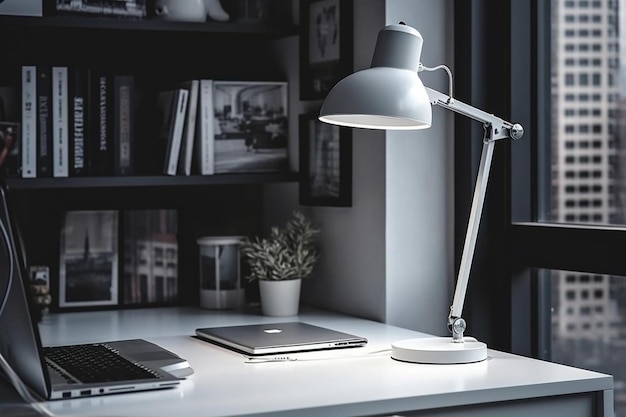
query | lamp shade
(388,95)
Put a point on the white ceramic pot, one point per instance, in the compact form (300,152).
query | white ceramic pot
(280,298)
(181,10)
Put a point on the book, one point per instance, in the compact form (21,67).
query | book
(173,105)
(189,131)
(78,90)
(60,122)
(101,146)
(44,121)
(10,110)
(10,142)
(204,144)
(10,155)
(123,123)
(29,121)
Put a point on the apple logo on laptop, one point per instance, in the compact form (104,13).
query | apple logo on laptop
(272,331)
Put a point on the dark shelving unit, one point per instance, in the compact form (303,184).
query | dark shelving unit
(159,53)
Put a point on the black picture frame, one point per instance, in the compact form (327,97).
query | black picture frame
(89,260)
(326,41)
(150,250)
(325,163)
(250,132)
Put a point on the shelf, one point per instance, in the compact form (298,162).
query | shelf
(96,22)
(147,181)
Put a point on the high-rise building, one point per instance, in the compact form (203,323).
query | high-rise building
(585,159)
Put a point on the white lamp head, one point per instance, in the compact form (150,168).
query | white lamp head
(388,95)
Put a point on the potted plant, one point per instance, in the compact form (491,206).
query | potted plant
(280,262)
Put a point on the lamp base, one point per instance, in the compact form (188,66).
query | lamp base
(439,350)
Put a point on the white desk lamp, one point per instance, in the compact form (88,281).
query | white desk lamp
(390,95)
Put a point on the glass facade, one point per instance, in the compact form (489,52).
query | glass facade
(589,325)
(588,126)
(588,177)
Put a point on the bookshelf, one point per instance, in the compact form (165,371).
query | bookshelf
(267,31)
(159,54)
(148,181)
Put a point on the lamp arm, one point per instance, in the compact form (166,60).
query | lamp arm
(495,128)
(455,322)
(499,129)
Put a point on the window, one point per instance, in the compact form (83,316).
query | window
(596,80)
(554,228)
(587,324)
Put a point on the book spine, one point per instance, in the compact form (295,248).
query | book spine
(178,121)
(205,142)
(102,144)
(60,123)
(29,122)
(44,122)
(78,117)
(124,120)
(186,152)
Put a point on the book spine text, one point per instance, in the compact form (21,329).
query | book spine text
(29,122)
(60,122)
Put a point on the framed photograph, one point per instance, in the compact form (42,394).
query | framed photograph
(88,267)
(150,270)
(250,127)
(325,45)
(325,163)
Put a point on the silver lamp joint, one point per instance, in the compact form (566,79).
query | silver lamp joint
(457,326)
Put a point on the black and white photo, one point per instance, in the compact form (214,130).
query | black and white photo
(88,267)
(250,126)
(150,271)
(325,45)
(325,163)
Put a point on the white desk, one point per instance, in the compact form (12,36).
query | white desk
(358,383)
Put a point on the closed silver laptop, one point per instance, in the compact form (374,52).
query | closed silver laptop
(271,338)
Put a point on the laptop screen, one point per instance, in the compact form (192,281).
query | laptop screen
(19,336)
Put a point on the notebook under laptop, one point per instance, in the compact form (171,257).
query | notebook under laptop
(262,339)
(148,366)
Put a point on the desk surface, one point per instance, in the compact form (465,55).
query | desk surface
(356,381)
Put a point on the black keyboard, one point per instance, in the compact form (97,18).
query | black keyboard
(95,363)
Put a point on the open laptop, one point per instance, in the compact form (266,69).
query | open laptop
(272,338)
(50,373)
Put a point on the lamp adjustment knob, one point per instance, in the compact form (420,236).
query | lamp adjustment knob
(517,131)
(458,326)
